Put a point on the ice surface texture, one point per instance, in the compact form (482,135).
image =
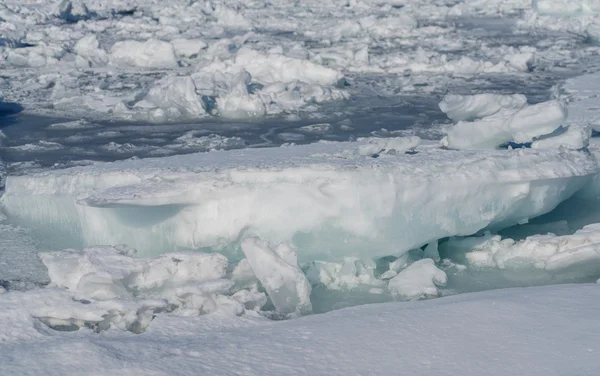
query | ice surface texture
(327,199)
(535,331)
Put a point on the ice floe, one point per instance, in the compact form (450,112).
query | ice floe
(326,198)
(497,120)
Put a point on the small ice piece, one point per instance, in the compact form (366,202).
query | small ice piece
(578,253)
(575,136)
(372,146)
(347,275)
(585,259)
(478,106)
(418,281)
(280,275)
(507,125)
(237,103)
(88,49)
(188,47)
(151,54)
(176,96)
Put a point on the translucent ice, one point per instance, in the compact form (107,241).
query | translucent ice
(325,198)
(278,271)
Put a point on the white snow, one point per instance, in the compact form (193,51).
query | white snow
(89,52)
(172,98)
(326,199)
(534,331)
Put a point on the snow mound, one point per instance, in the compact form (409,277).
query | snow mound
(325,199)
(510,121)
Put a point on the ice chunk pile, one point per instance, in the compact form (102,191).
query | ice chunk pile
(577,254)
(487,121)
(459,330)
(131,290)
(109,54)
(325,199)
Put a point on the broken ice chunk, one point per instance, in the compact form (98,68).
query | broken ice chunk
(372,146)
(280,275)
(418,281)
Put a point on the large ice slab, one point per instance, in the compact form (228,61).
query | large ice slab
(326,199)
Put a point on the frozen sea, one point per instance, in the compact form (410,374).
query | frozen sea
(350,187)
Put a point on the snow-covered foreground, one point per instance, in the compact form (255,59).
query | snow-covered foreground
(535,331)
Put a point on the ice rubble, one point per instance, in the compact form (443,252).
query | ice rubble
(327,199)
(125,292)
(486,121)
(577,254)
(297,55)
(418,281)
